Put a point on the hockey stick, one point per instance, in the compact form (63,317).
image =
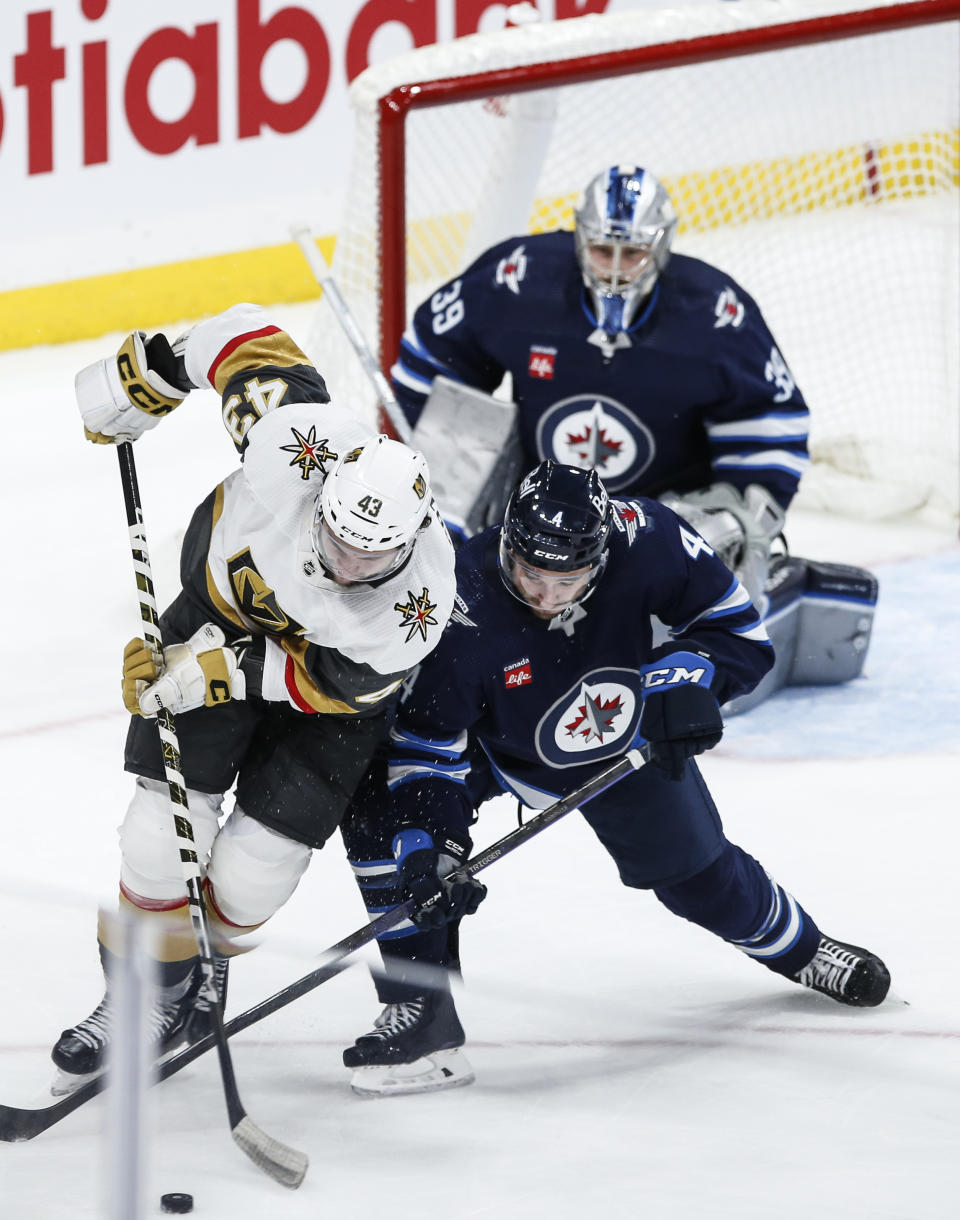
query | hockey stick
(321,270)
(18,1124)
(286,1165)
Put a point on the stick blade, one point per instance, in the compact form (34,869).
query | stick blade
(284,1164)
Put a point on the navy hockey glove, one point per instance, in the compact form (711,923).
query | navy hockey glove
(680,716)
(442,891)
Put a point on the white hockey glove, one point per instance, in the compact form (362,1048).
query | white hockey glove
(741,528)
(200,673)
(124,395)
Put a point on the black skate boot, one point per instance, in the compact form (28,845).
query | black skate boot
(412,1048)
(81,1051)
(846,973)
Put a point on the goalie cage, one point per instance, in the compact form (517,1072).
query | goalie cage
(811,149)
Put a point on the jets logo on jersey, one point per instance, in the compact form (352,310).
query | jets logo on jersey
(255,597)
(593,431)
(309,453)
(541,361)
(729,311)
(512,269)
(595,718)
(417,614)
(517,674)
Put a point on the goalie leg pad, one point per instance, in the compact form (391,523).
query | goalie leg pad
(836,620)
(472,446)
(819,619)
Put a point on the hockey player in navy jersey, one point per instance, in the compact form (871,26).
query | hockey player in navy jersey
(315,578)
(546,672)
(657,370)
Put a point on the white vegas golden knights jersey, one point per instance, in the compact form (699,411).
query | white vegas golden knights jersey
(248,555)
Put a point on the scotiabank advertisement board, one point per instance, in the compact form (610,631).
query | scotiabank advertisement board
(134,134)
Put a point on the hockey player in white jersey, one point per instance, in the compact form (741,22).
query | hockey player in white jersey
(315,578)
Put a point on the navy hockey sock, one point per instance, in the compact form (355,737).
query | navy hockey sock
(735,899)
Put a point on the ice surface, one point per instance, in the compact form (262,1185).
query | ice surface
(628,1065)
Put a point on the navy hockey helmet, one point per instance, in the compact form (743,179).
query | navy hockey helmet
(553,544)
(624,226)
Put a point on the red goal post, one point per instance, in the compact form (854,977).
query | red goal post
(811,149)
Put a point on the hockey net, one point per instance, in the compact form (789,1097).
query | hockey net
(810,147)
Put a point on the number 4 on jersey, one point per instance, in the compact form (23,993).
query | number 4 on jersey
(693,544)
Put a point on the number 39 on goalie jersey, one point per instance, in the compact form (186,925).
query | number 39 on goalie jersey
(249,557)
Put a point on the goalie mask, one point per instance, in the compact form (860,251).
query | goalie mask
(372,506)
(624,225)
(553,545)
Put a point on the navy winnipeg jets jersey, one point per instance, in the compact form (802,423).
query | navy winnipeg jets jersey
(700,395)
(550,701)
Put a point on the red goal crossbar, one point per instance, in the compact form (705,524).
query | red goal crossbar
(400,101)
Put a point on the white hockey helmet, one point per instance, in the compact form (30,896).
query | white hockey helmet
(371,507)
(624,226)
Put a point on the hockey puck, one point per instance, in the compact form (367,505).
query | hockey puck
(176,1205)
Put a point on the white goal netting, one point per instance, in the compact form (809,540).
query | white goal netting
(824,177)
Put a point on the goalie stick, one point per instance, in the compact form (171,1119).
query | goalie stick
(284,1164)
(324,277)
(23,1123)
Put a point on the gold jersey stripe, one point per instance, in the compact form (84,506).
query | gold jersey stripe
(253,353)
(222,606)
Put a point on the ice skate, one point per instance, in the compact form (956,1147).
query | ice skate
(176,1016)
(846,973)
(414,1047)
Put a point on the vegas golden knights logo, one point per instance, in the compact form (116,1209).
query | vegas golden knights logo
(309,453)
(255,597)
(353,455)
(420,486)
(417,614)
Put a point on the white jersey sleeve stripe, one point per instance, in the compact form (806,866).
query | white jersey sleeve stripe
(766,459)
(401,374)
(792,427)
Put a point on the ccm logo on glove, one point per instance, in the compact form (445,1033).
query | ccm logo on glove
(682,667)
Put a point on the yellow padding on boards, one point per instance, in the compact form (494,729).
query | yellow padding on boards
(152,297)
(917,165)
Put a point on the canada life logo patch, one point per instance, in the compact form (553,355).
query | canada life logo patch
(517,674)
(595,717)
(589,430)
(541,361)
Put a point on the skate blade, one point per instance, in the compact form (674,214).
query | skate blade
(441,1070)
(66,1083)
